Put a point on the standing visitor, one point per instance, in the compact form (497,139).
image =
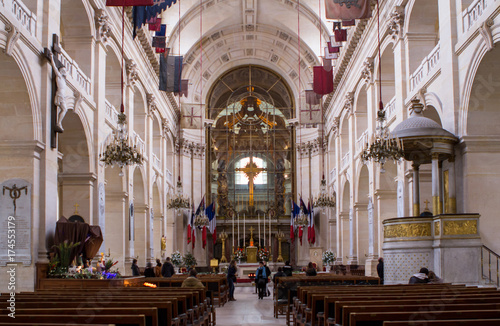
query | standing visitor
(260,280)
(135,268)
(268,274)
(380,269)
(167,270)
(231,279)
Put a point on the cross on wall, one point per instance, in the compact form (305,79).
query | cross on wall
(192,116)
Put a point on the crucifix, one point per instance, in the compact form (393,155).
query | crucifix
(192,116)
(251,170)
(15,193)
(251,236)
(76,209)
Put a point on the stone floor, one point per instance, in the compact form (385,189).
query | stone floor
(247,310)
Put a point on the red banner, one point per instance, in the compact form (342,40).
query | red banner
(127,3)
(348,9)
(322,80)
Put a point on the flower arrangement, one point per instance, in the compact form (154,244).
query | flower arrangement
(109,264)
(189,260)
(328,257)
(263,254)
(176,259)
(239,254)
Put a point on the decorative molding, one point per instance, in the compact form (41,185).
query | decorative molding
(349,102)
(396,22)
(459,227)
(132,72)
(408,230)
(103,26)
(485,31)
(166,128)
(13,35)
(437,228)
(311,147)
(189,148)
(151,99)
(367,72)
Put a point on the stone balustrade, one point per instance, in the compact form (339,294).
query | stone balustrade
(362,141)
(75,73)
(111,114)
(23,15)
(473,12)
(346,160)
(425,68)
(139,143)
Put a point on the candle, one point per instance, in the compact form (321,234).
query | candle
(264,229)
(233,231)
(258,227)
(244,231)
(238,230)
(269,232)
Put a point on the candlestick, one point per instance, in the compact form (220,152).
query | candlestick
(258,224)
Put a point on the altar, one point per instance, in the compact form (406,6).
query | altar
(245,269)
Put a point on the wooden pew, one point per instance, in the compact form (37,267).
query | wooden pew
(378,318)
(455,322)
(118,320)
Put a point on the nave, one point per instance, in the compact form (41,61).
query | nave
(247,310)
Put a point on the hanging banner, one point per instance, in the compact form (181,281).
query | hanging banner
(348,9)
(322,80)
(170,73)
(191,117)
(310,108)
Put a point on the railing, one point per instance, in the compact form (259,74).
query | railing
(360,143)
(24,16)
(345,160)
(139,143)
(425,67)
(472,14)
(75,72)
(390,108)
(156,162)
(111,114)
(490,263)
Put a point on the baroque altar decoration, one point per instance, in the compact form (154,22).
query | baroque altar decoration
(239,254)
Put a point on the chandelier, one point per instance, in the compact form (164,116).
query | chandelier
(323,200)
(119,152)
(384,146)
(201,219)
(301,220)
(179,201)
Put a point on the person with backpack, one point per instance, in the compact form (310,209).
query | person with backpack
(260,280)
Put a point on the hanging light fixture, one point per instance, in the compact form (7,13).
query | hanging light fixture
(323,200)
(179,201)
(119,152)
(384,145)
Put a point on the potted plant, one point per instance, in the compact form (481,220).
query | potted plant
(328,258)
(263,254)
(189,260)
(177,260)
(239,254)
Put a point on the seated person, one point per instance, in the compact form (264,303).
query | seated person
(310,271)
(420,277)
(149,271)
(287,269)
(192,281)
(278,274)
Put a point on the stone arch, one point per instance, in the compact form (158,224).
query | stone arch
(140,113)
(331,154)
(113,79)
(361,206)
(361,110)
(421,30)
(157,136)
(388,75)
(345,146)
(76,182)
(116,214)
(141,215)
(77,30)
(157,226)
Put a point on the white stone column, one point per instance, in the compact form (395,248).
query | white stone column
(416,189)
(435,183)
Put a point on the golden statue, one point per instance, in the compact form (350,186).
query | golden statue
(163,243)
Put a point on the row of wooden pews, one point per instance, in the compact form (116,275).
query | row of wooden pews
(138,306)
(423,304)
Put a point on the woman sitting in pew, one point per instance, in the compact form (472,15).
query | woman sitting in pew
(192,281)
(310,271)
(149,271)
(420,277)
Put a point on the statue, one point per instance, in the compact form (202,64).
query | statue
(163,243)
(60,97)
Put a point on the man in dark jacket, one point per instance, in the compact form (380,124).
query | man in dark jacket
(167,270)
(380,269)
(287,269)
(421,277)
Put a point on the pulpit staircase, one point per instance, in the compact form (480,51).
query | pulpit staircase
(490,263)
